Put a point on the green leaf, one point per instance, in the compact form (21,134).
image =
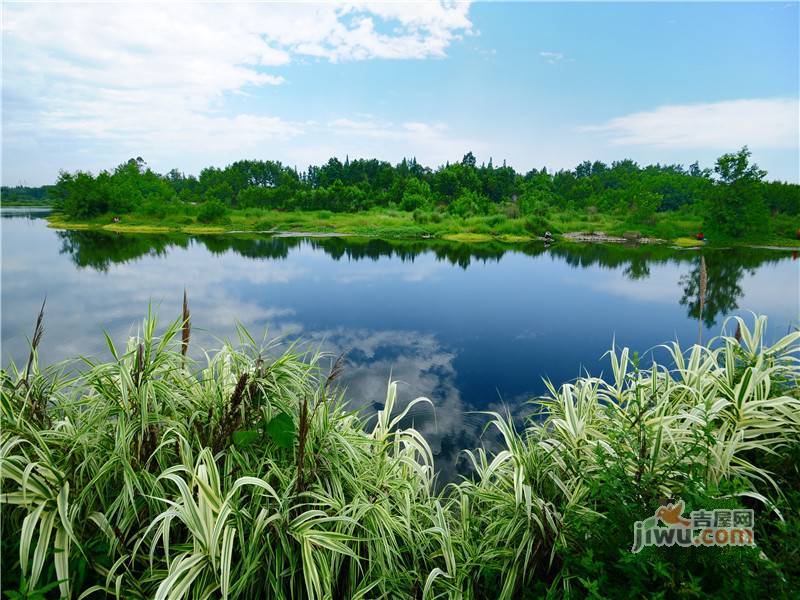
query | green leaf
(245,437)
(282,430)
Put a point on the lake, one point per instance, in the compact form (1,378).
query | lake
(473,327)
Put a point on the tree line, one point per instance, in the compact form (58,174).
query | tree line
(23,194)
(733,196)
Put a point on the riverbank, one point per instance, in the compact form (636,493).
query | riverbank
(675,228)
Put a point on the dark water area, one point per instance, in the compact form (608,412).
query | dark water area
(473,327)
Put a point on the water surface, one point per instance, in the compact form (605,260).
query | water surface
(473,327)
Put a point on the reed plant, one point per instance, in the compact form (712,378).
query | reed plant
(246,475)
(599,454)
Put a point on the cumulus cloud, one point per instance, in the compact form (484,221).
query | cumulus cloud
(165,73)
(759,123)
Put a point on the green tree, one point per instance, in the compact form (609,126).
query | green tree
(736,204)
(417,194)
(535,201)
(258,197)
(82,196)
(125,197)
(222,192)
(733,199)
(643,205)
(469,160)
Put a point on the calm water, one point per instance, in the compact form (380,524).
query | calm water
(471,327)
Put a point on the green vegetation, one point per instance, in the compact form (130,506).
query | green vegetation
(369,197)
(26,196)
(245,476)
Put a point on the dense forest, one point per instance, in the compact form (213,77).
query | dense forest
(733,198)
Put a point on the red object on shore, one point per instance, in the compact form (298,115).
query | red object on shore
(701,237)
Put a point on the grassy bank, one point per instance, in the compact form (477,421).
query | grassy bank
(245,476)
(670,227)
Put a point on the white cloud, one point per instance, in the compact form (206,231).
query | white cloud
(368,135)
(759,123)
(162,73)
(552,57)
(373,127)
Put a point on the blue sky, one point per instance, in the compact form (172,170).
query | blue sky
(86,86)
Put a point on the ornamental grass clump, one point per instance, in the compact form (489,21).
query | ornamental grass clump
(556,506)
(153,477)
(245,475)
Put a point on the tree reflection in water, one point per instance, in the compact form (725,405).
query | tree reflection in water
(723,290)
(724,268)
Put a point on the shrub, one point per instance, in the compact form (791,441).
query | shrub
(495,220)
(469,203)
(153,209)
(537,225)
(264,225)
(511,210)
(421,217)
(211,211)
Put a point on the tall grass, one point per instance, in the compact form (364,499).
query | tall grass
(701,426)
(246,476)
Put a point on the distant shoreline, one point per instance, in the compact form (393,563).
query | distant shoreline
(300,224)
(24,205)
